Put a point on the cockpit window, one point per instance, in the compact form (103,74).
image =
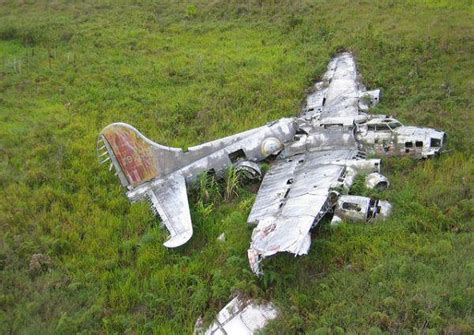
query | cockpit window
(382,127)
(394,124)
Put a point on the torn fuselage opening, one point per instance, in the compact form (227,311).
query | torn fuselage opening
(237,155)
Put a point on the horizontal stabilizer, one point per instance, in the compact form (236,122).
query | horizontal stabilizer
(169,200)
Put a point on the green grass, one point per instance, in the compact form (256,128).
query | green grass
(184,73)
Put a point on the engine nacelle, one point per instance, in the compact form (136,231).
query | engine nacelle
(376,181)
(249,170)
(360,209)
(365,165)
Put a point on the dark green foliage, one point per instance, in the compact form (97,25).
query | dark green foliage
(187,72)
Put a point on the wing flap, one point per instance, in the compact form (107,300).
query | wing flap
(170,201)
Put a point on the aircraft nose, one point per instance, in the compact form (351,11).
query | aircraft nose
(445,142)
(438,141)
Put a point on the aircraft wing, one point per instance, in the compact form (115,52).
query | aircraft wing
(342,96)
(339,97)
(293,197)
(169,200)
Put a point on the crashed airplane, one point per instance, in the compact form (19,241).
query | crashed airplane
(314,159)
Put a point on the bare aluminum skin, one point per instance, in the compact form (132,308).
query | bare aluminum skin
(376,181)
(318,155)
(240,317)
(360,209)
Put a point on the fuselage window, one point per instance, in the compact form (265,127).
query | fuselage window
(237,155)
(408,144)
(394,125)
(382,127)
(418,144)
(371,127)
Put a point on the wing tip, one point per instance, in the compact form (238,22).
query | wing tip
(179,239)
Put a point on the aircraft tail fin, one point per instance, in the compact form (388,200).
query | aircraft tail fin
(135,158)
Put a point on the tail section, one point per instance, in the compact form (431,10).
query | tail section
(136,159)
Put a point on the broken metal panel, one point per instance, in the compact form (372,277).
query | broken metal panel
(221,237)
(283,234)
(241,316)
(365,165)
(315,102)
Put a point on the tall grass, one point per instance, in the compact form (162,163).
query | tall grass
(187,72)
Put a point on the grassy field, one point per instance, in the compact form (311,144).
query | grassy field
(188,72)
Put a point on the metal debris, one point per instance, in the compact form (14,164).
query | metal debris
(313,159)
(360,209)
(239,317)
(376,181)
